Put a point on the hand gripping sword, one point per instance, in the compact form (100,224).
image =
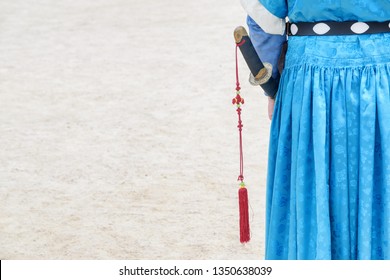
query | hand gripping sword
(261,73)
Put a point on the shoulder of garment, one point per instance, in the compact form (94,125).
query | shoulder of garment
(266,20)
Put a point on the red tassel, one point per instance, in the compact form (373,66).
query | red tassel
(242,192)
(244,214)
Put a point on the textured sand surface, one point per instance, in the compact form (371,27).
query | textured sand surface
(118,139)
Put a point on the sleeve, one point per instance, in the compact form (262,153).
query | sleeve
(267,46)
(278,8)
(264,18)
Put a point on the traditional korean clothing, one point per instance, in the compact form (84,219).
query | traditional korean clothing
(328,185)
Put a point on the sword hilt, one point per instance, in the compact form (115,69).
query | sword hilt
(262,74)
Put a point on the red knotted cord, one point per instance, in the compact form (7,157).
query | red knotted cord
(238,100)
(242,192)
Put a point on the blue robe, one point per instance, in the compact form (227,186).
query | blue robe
(328,184)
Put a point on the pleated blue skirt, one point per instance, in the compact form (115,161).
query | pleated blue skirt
(328,185)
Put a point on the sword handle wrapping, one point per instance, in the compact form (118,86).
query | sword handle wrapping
(261,73)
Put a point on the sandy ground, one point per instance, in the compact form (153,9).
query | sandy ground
(118,139)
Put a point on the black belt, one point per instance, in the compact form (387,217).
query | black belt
(336,28)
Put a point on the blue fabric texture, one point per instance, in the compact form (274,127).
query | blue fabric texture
(328,184)
(334,10)
(267,46)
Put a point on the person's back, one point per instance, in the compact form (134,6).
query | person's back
(329,10)
(329,160)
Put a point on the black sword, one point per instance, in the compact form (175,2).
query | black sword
(262,73)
